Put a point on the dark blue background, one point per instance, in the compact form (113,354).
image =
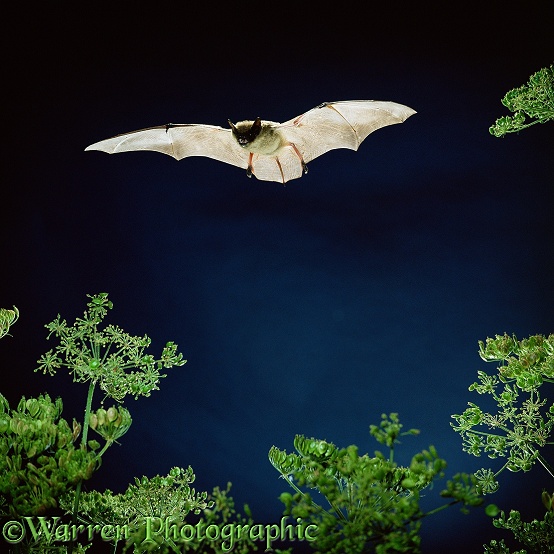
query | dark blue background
(359,289)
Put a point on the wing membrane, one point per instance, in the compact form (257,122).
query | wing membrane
(341,125)
(179,141)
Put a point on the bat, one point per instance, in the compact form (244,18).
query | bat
(268,150)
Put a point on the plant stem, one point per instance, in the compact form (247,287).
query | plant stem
(313,503)
(83,445)
(104,448)
(440,508)
(545,464)
(88,407)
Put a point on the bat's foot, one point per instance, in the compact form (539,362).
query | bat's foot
(249,169)
(297,152)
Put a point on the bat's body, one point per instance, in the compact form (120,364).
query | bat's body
(271,151)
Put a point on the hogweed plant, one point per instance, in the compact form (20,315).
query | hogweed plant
(531,103)
(518,431)
(372,504)
(40,457)
(110,358)
(524,421)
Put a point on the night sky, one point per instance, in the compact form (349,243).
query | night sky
(310,308)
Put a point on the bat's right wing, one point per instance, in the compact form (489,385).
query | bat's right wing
(179,141)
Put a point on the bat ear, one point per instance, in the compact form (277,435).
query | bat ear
(233,128)
(256,127)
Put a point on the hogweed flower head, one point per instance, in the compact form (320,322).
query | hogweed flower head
(109,357)
(525,419)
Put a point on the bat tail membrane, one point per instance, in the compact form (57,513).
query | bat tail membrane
(281,168)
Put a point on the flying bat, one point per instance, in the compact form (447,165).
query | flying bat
(268,150)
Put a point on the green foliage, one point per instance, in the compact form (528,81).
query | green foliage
(38,457)
(108,357)
(373,503)
(535,100)
(39,462)
(168,501)
(7,319)
(222,513)
(169,498)
(536,536)
(41,547)
(524,421)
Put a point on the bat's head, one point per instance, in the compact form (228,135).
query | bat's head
(246,132)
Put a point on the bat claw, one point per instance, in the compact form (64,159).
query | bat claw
(304,168)
(249,172)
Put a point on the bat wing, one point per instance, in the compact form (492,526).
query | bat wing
(179,141)
(328,126)
(341,125)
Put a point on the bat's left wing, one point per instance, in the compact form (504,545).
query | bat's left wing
(328,126)
(341,125)
(179,141)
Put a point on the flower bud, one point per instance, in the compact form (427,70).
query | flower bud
(111,414)
(76,429)
(101,415)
